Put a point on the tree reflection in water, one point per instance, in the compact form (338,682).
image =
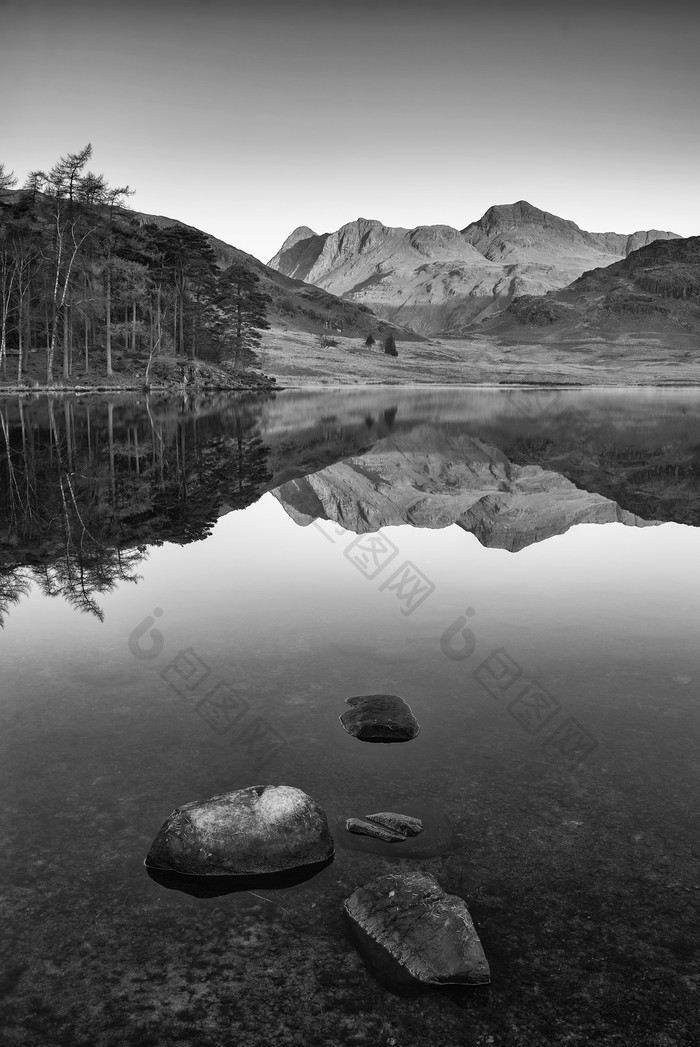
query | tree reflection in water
(87,486)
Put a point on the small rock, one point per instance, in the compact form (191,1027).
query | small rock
(399,823)
(428,935)
(378,832)
(379,718)
(436,838)
(262,829)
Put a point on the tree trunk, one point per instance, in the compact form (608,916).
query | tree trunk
(52,345)
(28,328)
(20,333)
(86,343)
(239,332)
(66,341)
(86,327)
(108,312)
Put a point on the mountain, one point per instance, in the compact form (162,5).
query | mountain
(653,292)
(439,279)
(434,480)
(523,233)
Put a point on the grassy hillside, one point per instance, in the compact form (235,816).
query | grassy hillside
(652,295)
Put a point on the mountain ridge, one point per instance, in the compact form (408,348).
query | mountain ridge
(655,288)
(439,279)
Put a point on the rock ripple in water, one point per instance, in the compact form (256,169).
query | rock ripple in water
(427,935)
(261,829)
(379,718)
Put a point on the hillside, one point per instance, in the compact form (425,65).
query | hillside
(653,293)
(295,305)
(437,279)
(97,294)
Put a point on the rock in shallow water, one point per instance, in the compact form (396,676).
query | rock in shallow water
(379,718)
(428,935)
(362,827)
(436,838)
(399,823)
(262,829)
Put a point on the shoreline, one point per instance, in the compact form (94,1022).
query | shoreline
(508,383)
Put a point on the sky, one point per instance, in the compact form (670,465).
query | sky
(247,120)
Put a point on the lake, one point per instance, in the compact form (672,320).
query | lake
(190,591)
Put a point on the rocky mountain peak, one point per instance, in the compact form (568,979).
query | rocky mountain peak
(302,232)
(354,239)
(505,217)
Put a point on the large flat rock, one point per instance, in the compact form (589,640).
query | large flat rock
(426,934)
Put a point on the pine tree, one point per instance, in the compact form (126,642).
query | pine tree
(243,307)
(369,341)
(390,345)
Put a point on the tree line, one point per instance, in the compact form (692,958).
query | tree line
(85,283)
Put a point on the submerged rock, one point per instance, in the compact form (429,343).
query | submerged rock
(262,829)
(379,718)
(362,827)
(436,838)
(410,928)
(399,823)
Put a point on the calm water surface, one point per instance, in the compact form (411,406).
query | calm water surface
(172,631)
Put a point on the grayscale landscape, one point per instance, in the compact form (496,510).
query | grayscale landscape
(349,566)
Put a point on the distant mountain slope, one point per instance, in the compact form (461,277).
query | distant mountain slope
(440,279)
(297,305)
(654,291)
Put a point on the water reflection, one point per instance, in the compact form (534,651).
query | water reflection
(89,484)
